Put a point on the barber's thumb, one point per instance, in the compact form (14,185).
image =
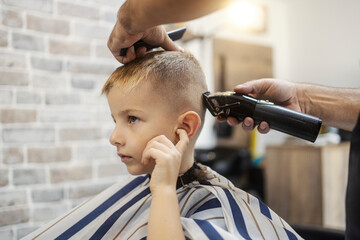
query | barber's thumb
(244,88)
(169,45)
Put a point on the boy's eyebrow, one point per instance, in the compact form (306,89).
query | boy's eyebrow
(127,111)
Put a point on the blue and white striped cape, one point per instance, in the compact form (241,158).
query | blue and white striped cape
(212,209)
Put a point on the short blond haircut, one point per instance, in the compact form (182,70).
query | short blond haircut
(175,76)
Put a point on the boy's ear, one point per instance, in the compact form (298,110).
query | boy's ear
(190,122)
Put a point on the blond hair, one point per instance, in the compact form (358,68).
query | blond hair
(175,76)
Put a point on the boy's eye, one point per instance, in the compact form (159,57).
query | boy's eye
(132,119)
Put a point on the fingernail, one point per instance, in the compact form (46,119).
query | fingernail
(262,127)
(181,49)
(247,124)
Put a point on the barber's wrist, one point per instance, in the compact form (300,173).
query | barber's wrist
(124,18)
(303,98)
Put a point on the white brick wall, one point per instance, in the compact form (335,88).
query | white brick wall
(54,125)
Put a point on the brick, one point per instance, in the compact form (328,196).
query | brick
(49,154)
(93,31)
(4,177)
(6,97)
(23,231)
(77,10)
(71,173)
(47,195)
(28,135)
(28,42)
(23,97)
(48,213)
(110,170)
(91,153)
(14,78)
(14,216)
(3,38)
(12,198)
(54,116)
(102,51)
(17,116)
(12,60)
(29,176)
(7,234)
(38,5)
(46,64)
(48,81)
(115,3)
(48,25)
(12,155)
(77,134)
(90,68)
(69,47)
(12,19)
(109,16)
(99,101)
(62,99)
(87,190)
(82,82)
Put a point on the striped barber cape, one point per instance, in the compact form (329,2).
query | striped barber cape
(212,209)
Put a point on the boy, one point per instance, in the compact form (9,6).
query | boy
(156,104)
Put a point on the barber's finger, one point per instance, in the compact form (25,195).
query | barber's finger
(130,55)
(245,88)
(221,119)
(255,88)
(140,51)
(232,121)
(248,124)
(183,141)
(169,45)
(263,127)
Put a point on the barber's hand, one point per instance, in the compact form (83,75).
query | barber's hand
(120,38)
(280,92)
(167,157)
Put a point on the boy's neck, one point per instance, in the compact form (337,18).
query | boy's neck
(187,161)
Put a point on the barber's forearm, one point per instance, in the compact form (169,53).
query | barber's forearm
(139,15)
(337,107)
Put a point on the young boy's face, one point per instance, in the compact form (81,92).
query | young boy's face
(139,115)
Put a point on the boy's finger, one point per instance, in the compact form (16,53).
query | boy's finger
(160,146)
(162,139)
(183,142)
(153,154)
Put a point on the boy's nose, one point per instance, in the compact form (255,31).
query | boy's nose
(117,139)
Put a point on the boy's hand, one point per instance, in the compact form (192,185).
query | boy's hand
(167,157)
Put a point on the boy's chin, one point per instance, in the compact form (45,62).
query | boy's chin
(137,170)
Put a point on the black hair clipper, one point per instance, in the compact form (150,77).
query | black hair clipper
(173,35)
(224,104)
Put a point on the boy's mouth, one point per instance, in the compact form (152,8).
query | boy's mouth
(124,158)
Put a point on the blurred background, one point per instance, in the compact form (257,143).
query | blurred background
(54,125)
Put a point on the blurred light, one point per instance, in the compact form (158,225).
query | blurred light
(247,15)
